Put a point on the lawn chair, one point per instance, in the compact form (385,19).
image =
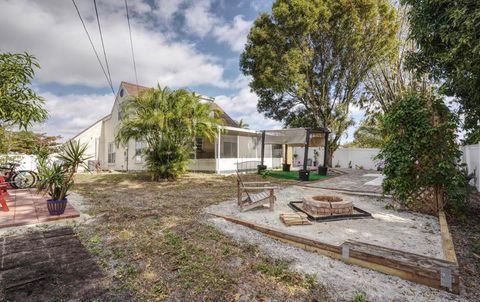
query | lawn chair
(258,193)
(3,194)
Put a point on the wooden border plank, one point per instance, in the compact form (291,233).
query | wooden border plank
(447,242)
(416,268)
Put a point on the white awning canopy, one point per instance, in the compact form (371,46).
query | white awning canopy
(295,137)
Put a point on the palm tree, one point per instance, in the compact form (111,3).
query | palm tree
(242,124)
(168,121)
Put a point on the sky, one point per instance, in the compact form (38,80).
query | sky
(193,44)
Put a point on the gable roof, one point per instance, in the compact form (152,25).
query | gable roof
(227,120)
(134,90)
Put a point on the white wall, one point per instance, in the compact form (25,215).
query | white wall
(363,157)
(342,156)
(471,157)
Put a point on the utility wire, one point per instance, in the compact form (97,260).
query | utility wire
(103,44)
(131,43)
(93,47)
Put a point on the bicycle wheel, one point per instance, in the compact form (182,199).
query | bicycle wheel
(24,179)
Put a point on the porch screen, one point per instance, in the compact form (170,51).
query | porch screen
(228,148)
(277,151)
(248,147)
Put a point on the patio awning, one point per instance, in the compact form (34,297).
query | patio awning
(295,137)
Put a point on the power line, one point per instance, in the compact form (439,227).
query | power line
(103,44)
(93,47)
(131,43)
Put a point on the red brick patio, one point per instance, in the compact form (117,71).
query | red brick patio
(29,207)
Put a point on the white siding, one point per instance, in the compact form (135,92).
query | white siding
(471,157)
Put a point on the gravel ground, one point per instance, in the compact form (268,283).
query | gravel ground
(411,232)
(342,280)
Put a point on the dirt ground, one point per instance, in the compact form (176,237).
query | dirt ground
(150,242)
(466,237)
(48,265)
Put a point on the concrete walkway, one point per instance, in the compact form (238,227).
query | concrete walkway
(359,181)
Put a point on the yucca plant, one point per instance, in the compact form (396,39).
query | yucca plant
(57,178)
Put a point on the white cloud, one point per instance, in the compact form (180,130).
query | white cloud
(70,114)
(243,105)
(166,9)
(198,18)
(234,34)
(52,32)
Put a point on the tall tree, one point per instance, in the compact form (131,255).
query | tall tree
(389,80)
(27,142)
(168,121)
(449,50)
(368,135)
(309,57)
(19,104)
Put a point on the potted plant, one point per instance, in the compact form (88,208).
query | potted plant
(57,178)
(315,157)
(295,156)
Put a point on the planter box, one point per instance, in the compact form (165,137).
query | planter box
(304,175)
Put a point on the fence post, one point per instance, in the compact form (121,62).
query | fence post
(478,168)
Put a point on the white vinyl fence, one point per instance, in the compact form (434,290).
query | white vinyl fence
(471,157)
(342,158)
(363,158)
(27,162)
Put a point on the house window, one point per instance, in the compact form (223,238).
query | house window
(111,153)
(228,148)
(139,147)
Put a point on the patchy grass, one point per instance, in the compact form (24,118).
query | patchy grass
(148,237)
(293,175)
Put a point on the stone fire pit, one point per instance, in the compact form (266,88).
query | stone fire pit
(327,205)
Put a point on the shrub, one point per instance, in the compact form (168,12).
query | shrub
(420,151)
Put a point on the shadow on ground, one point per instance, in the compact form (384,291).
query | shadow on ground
(41,265)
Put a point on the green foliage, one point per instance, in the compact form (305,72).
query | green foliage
(169,121)
(389,80)
(26,142)
(420,150)
(308,58)
(449,47)
(265,174)
(241,124)
(360,296)
(19,104)
(368,135)
(57,178)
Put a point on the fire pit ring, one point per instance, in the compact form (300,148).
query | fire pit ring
(327,205)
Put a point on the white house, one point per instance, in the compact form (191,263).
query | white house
(233,145)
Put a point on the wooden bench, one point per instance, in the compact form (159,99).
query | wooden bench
(258,193)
